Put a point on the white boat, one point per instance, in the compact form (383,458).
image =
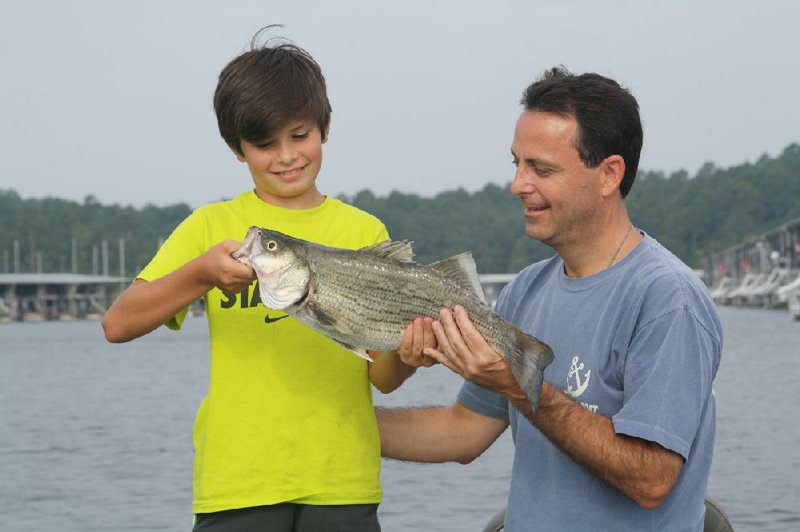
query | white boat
(764,293)
(794,305)
(750,280)
(782,293)
(720,292)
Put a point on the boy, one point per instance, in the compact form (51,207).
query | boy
(286,438)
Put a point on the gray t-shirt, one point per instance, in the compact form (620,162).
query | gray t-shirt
(639,343)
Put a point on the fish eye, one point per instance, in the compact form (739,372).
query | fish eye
(272,245)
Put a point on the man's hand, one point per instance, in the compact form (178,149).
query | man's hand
(465,351)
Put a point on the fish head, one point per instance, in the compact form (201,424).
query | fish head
(282,271)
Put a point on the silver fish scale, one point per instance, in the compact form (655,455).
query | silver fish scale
(372,301)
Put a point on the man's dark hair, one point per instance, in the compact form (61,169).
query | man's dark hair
(265,88)
(607,116)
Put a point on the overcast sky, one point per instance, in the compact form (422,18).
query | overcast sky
(113,98)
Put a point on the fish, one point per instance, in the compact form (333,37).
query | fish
(365,299)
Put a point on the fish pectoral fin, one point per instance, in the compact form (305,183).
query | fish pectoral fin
(400,250)
(323,317)
(462,270)
(359,352)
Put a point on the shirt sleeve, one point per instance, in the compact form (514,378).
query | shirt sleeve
(382,234)
(668,375)
(483,401)
(184,245)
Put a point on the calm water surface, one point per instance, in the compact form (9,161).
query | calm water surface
(95,437)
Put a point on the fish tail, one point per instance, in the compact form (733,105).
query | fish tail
(529,363)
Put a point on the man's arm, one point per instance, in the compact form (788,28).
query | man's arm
(643,470)
(436,434)
(146,305)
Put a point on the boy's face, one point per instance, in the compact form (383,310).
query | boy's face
(285,165)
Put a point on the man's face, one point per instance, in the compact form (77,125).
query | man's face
(285,165)
(560,195)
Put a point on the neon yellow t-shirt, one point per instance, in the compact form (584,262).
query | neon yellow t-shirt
(288,415)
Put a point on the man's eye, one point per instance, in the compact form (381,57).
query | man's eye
(515,162)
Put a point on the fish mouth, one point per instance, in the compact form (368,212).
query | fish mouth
(250,247)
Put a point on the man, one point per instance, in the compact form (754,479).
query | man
(624,434)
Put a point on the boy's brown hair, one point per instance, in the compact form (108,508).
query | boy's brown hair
(263,89)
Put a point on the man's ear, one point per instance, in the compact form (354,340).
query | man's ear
(613,168)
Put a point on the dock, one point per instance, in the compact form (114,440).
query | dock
(763,271)
(69,296)
(56,296)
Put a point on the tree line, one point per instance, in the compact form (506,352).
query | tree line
(693,216)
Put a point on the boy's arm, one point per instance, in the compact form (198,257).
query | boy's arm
(146,305)
(388,371)
(392,368)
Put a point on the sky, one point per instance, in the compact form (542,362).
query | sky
(114,99)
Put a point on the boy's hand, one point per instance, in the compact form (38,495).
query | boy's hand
(220,269)
(417,336)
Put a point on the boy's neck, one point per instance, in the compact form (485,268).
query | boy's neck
(307,200)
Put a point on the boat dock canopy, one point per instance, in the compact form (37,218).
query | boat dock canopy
(56,296)
(57,278)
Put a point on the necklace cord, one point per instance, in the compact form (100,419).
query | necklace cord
(620,246)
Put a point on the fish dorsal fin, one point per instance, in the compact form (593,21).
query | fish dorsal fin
(462,270)
(400,250)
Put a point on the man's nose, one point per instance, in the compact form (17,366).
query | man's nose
(521,184)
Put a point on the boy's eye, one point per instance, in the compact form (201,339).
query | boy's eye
(300,135)
(264,145)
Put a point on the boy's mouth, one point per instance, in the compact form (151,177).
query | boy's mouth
(288,174)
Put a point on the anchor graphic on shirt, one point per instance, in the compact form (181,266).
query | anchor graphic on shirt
(574,372)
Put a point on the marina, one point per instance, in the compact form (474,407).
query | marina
(38,297)
(763,271)
(56,296)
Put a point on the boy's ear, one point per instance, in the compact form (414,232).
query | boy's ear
(239,155)
(326,132)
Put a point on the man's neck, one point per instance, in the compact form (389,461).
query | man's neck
(599,250)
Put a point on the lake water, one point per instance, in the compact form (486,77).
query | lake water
(97,437)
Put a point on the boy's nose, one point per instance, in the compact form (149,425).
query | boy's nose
(286,153)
